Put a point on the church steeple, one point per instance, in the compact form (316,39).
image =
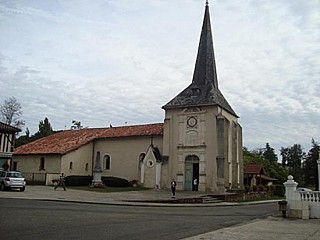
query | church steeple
(205,69)
(204,87)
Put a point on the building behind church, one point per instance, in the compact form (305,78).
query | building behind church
(199,139)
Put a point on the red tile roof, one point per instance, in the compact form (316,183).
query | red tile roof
(68,140)
(254,168)
(5,128)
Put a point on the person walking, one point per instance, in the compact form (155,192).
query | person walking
(173,188)
(61,182)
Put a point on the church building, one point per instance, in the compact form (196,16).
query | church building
(199,139)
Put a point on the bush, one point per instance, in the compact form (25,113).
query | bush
(74,180)
(261,188)
(279,190)
(115,182)
(254,188)
(270,188)
(248,188)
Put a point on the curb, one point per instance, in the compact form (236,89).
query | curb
(150,204)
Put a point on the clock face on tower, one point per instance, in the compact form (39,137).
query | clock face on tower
(192,121)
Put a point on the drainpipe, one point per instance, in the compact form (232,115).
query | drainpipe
(92,159)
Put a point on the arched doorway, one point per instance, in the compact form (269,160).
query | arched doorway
(191,171)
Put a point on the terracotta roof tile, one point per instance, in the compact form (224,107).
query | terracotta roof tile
(68,140)
(253,168)
(8,129)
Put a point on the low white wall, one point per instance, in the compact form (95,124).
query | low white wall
(303,205)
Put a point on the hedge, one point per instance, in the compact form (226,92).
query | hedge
(279,190)
(115,182)
(74,180)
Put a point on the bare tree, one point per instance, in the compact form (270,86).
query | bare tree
(11,113)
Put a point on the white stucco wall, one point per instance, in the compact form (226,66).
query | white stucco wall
(31,163)
(124,154)
(79,158)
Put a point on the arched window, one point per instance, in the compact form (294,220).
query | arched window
(41,167)
(86,168)
(141,157)
(107,162)
(70,165)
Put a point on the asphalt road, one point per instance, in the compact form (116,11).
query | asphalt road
(30,219)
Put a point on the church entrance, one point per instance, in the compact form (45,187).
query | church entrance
(191,171)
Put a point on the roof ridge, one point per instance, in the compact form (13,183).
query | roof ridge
(69,140)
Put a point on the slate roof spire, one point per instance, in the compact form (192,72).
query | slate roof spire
(204,87)
(205,69)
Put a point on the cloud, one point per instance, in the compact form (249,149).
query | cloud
(120,61)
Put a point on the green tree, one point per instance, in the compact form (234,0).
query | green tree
(11,113)
(269,154)
(76,125)
(45,129)
(272,168)
(23,139)
(310,165)
(292,159)
(251,157)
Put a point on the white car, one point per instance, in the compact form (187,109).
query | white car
(304,189)
(12,180)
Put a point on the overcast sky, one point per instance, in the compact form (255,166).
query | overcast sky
(106,62)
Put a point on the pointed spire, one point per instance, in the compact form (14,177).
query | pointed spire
(205,69)
(204,89)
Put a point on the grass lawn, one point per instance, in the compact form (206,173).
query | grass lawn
(108,189)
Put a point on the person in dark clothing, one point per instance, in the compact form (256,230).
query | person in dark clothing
(173,187)
(61,182)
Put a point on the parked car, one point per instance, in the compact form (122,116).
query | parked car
(12,180)
(304,189)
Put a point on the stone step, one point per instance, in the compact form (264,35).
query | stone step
(208,199)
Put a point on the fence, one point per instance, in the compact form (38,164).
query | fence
(313,199)
(303,205)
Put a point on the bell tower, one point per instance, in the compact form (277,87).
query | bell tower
(202,136)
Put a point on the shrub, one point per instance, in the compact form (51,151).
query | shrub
(74,180)
(248,188)
(261,188)
(115,182)
(279,190)
(254,188)
(270,188)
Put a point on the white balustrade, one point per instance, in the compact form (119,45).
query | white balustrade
(303,205)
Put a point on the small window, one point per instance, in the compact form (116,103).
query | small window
(70,165)
(14,166)
(87,167)
(42,163)
(141,157)
(107,162)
